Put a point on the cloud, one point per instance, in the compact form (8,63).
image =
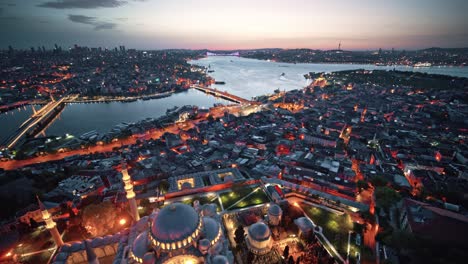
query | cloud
(84,4)
(93,21)
(105,25)
(82,19)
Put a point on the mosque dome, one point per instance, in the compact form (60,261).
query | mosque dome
(209,210)
(259,231)
(220,259)
(211,228)
(149,258)
(275,210)
(259,238)
(140,246)
(204,245)
(175,226)
(274,214)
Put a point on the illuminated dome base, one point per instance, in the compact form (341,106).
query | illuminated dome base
(183,259)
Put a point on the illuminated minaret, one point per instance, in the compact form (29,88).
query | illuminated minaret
(128,186)
(50,224)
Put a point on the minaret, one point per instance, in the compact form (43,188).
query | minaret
(50,224)
(130,193)
(90,255)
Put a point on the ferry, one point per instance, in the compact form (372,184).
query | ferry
(89,134)
(422,64)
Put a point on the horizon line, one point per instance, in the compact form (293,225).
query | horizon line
(245,49)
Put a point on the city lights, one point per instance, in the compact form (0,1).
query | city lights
(234,131)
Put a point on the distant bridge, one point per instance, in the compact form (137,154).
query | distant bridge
(224,95)
(223,54)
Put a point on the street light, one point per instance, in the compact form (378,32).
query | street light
(122,221)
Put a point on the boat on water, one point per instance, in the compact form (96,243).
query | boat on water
(422,64)
(220,82)
(283,77)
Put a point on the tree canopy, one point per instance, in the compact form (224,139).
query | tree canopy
(386,197)
(100,219)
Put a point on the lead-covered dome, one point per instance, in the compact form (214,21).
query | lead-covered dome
(259,231)
(140,246)
(259,238)
(219,259)
(175,226)
(275,210)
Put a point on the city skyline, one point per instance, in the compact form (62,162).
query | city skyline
(235,25)
(233,132)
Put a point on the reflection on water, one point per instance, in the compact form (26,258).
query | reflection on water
(244,77)
(250,77)
(80,118)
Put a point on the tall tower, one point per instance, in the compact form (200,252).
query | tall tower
(50,224)
(128,186)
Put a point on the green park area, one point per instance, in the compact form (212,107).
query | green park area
(203,199)
(336,228)
(243,197)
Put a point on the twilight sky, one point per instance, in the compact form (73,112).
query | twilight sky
(235,24)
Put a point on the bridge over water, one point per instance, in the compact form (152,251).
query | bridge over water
(222,54)
(39,120)
(224,95)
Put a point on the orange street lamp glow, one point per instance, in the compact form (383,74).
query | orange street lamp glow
(122,221)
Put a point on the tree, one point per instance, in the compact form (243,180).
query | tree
(362,185)
(145,202)
(378,181)
(163,186)
(100,219)
(386,197)
(286,252)
(239,235)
